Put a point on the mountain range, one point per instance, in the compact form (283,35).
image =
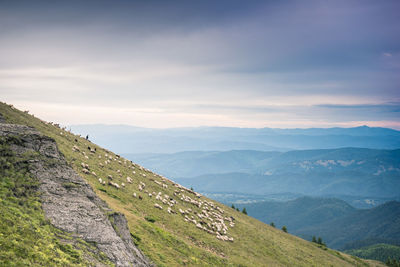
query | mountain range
(357,172)
(130,139)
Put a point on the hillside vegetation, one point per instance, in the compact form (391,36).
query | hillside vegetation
(299,213)
(380,252)
(381,222)
(340,225)
(187,235)
(26,236)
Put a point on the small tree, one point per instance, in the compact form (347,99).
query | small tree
(314,239)
(272,224)
(233,206)
(244,211)
(319,241)
(284,229)
(237,209)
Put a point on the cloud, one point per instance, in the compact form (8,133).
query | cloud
(219,63)
(392,106)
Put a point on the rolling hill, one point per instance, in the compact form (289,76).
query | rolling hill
(340,225)
(299,213)
(170,224)
(381,222)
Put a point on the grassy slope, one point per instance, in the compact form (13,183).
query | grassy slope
(171,241)
(26,237)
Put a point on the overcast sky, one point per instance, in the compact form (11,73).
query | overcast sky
(194,63)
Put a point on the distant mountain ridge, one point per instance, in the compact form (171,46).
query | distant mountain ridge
(131,139)
(195,163)
(355,131)
(343,171)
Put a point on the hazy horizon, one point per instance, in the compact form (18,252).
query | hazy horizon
(209,126)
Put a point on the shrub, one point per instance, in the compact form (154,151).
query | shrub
(150,219)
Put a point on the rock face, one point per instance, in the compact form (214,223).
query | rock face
(69,202)
(2,120)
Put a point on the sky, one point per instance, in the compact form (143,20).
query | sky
(161,64)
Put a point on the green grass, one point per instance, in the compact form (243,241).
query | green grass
(169,240)
(26,237)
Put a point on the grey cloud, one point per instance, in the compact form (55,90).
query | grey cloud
(211,57)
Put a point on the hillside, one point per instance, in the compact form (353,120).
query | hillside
(26,238)
(172,225)
(340,225)
(381,222)
(299,213)
(68,202)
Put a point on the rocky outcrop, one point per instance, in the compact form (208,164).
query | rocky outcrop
(2,120)
(70,203)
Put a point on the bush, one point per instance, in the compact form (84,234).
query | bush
(150,219)
(284,229)
(136,238)
(393,262)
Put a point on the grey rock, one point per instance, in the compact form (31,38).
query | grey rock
(2,120)
(70,203)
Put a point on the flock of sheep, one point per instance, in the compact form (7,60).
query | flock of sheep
(205,215)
